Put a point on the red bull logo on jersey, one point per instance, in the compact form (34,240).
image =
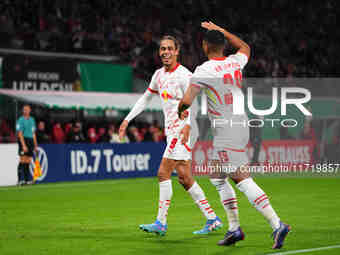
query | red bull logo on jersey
(165,95)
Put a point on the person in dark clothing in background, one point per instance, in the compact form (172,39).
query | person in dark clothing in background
(284,134)
(42,136)
(308,133)
(255,138)
(333,149)
(76,135)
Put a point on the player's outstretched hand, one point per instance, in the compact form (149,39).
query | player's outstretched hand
(184,134)
(122,129)
(210,26)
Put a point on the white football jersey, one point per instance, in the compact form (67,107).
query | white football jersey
(171,86)
(218,77)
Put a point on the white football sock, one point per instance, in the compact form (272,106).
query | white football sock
(259,200)
(229,201)
(165,194)
(198,196)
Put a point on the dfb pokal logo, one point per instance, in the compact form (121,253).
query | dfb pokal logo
(43,160)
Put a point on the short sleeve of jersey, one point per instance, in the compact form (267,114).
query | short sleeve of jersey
(240,58)
(19,126)
(199,77)
(153,86)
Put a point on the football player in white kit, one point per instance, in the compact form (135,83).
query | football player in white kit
(220,77)
(170,83)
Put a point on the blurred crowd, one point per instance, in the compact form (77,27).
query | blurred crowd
(78,132)
(87,132)
(7,134)
(288,38)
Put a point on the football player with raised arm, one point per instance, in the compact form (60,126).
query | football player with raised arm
(221,77)
(170,83)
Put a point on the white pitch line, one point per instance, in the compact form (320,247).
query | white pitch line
(306,250)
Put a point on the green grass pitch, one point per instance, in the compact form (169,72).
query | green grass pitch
(102,217)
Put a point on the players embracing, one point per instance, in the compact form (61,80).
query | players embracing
(170,83)
(221,77)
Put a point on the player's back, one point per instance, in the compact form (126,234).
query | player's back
(221,79)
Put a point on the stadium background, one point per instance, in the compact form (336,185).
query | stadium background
(116,51)
(111,46)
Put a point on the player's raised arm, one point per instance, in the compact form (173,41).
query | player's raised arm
(234,40)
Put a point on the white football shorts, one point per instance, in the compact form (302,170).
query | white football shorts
(178,151)
(230,159)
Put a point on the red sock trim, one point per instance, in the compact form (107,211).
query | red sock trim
(265,206)
(229,199)
(260,201)
(259,198)
(231,202)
